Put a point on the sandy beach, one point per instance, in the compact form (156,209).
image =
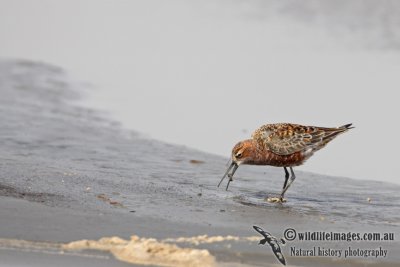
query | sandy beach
(68,173)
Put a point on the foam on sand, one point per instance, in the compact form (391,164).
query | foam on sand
(146,251)
(137,250)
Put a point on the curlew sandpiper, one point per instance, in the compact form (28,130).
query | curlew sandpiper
(281,145)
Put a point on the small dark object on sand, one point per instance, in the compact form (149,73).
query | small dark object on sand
(195,161)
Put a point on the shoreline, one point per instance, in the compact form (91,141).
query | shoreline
(68,174)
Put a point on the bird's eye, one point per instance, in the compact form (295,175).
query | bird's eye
(238,155)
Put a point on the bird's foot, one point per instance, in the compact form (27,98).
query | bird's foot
(276,199)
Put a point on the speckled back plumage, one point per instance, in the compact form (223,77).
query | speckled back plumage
(286,138)
(281,145)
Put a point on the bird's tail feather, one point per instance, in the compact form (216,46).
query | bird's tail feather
(347,126)
(334,132)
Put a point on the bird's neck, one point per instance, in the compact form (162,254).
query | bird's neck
(259,154)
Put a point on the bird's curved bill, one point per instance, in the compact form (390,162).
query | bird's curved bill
(232,166)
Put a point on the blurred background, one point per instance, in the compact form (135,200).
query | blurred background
(205,74)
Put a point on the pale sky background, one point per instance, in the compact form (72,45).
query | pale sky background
(205,74)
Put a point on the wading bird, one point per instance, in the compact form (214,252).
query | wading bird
(281,145)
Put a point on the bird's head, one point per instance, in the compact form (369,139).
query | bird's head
(242,152)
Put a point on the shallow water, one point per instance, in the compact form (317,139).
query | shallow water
(61,154)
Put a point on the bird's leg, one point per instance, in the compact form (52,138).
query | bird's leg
(280,198)
(286,177)
(292,178)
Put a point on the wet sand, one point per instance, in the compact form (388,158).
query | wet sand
(69,173)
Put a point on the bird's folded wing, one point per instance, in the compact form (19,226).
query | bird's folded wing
(285,138)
